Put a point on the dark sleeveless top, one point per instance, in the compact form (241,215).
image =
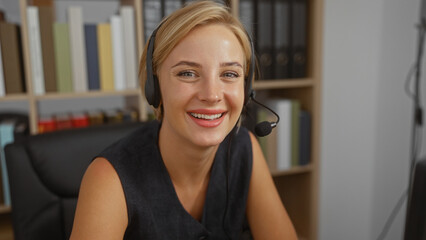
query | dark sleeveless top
(153,208)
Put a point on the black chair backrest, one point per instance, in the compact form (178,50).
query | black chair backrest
(45,173)
(415,224)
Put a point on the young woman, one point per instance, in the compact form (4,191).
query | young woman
(193,173)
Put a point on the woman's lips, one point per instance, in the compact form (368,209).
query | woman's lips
(207,117)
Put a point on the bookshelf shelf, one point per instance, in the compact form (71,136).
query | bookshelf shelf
(293,171)
(90,94)
(14,97)
(282,84)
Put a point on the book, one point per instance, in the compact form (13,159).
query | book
(130,49)
(283,107)
(130,115)
(79,120)
(295,112)
(152,16)
(247,15)
(11,54)
(305,138)
(299,38)
(36,58)
(171,5)
(46,124)
(62,57)
(282,39)
(6,137)
(113,116)
(48,54)
(92,56)
(264,38)
(77,49)
(118,53)
(106,71)
(2,87)
(96,117)
(62,121)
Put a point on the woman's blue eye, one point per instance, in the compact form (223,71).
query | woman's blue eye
(186,74)
(231,75)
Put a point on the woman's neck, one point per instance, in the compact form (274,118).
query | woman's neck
(188,164)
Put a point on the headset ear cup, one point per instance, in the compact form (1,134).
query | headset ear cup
(152,91)
(157,93)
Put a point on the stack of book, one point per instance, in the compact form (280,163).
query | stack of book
(74,56)
(61,121)
(289,144)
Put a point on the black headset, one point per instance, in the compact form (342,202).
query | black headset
(152,87)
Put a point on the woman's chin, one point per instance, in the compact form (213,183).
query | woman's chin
(208,140)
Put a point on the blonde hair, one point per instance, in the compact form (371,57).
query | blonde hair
(177,25)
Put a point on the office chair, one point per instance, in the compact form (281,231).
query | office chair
(45,172)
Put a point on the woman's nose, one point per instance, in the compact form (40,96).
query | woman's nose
(211,90)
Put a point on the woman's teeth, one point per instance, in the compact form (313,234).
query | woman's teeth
(205,116)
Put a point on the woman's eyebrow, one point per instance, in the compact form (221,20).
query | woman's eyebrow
(192,64)
(227,64)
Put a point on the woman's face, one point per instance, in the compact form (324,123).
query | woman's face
(202,86)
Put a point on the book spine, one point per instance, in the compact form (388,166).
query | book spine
(130,57)
(247,15)
(78,49)
(299,38)
(62,57)
(35,50)
(46,33)
(2,82)
(171,6)
(12,58)
(106,71)
(92,56)
(152,16)
(295,111)
(282,39)
(265,39)
(118,53)
(283,131)
(305,138)
(6,137)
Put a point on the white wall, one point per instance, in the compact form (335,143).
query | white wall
(369,47)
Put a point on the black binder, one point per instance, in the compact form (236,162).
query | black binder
(298,38)
(264,36)
(282,39)
(247,14)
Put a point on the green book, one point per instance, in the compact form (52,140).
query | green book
(63,57)
(262,115)
(295,111)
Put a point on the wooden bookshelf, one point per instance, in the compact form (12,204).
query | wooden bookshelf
(35,99)
(298,186)
(279,84)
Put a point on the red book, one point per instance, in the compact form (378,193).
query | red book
(63,121)
(79,120)
(46,124)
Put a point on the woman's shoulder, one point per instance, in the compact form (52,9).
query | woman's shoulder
(101,201)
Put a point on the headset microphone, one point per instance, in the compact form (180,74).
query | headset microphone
(264,128)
